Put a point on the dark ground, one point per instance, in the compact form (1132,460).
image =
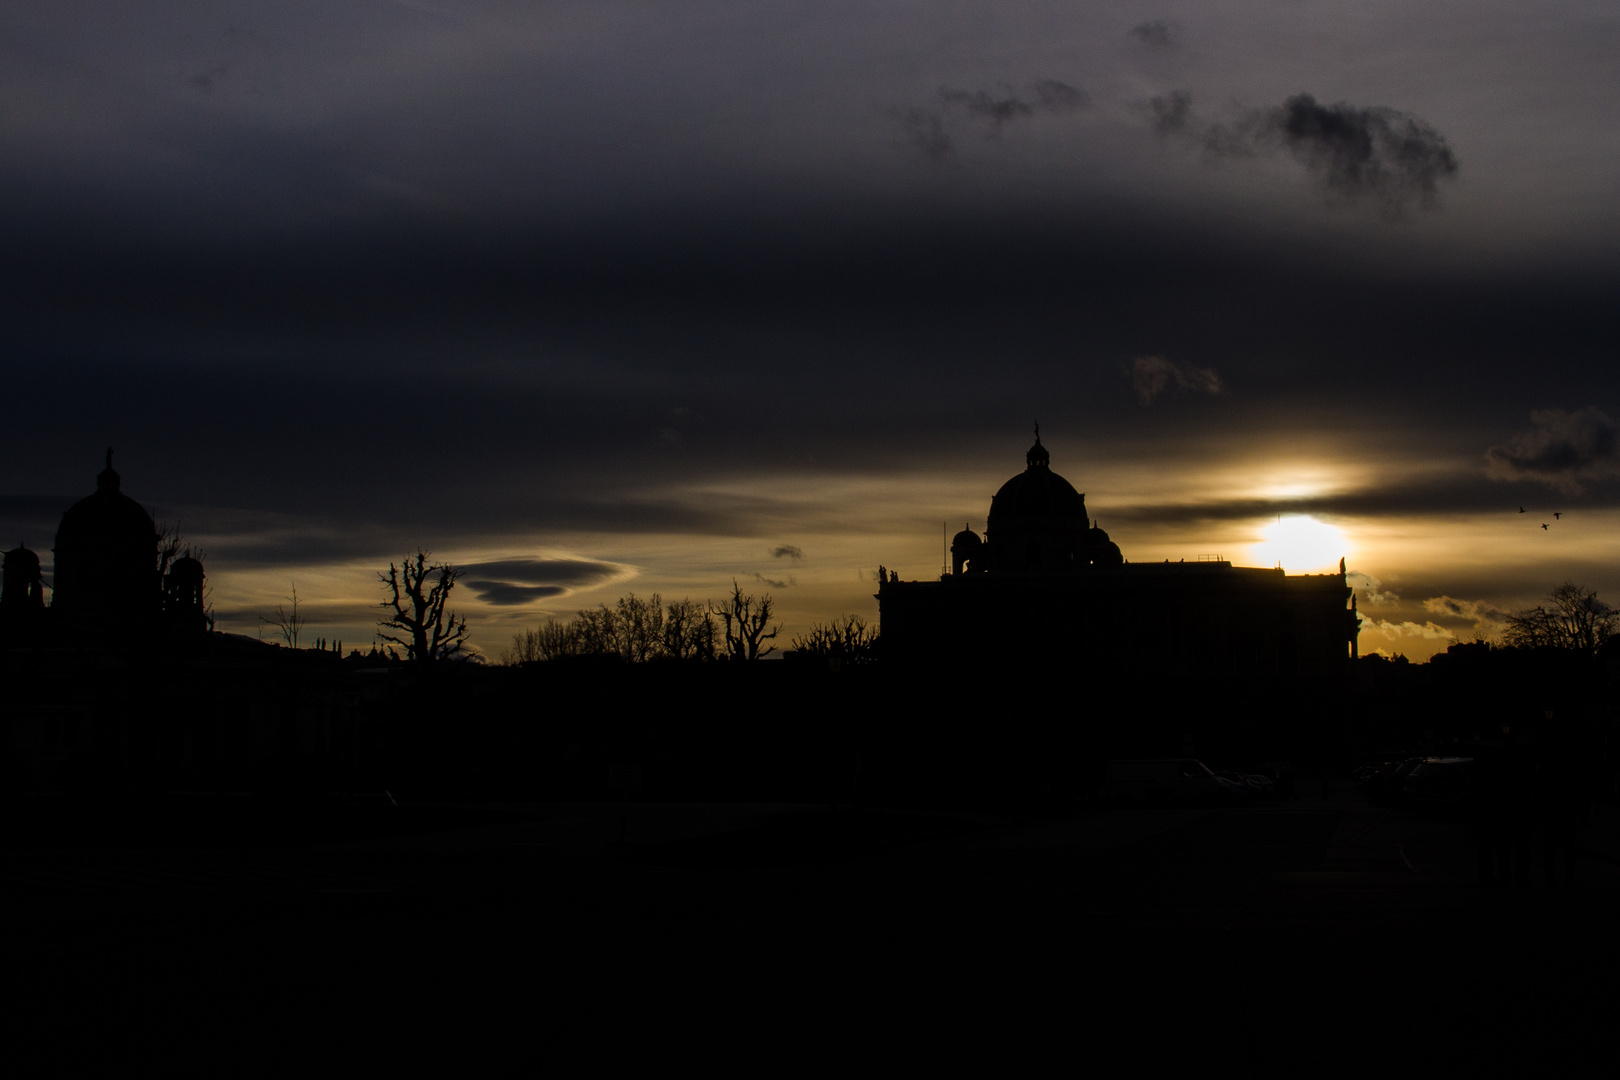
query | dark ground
(1324,934)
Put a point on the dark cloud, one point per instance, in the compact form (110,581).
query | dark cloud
(1172,113)
(982,104)
(1480,614)
(788,551)
(1044,95)
(1055,96)
(1391,156)
(572,573)
(1153,376)
(1379,154)
(505,594)
(512,582)
(1565,450)
(926,129)
(1156,34)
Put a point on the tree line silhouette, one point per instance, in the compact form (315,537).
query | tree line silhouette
(641,629)
(638,630)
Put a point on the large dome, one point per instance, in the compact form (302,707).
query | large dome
(106,551)
(1037,520)
(107,517)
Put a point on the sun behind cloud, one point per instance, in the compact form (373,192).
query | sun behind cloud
(1301,544)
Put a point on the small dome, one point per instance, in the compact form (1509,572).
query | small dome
(965,539)
(1101,550)
(19,560)
(186,568)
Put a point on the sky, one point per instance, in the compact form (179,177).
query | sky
(600,297)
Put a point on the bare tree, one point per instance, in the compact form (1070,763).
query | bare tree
(1573,619)
(555,639)
(287,621)
(689,632)
(640,627)
(417,619)
(636,629)
(848,639)
(169,547)
(746,622)
(525,648)
(594,632)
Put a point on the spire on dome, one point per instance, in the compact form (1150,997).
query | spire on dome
(107,480)
(1037,454)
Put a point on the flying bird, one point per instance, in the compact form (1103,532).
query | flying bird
(1556,514)
(1544,526)
(1521,509)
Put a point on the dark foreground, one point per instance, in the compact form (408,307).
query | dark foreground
(1323,934)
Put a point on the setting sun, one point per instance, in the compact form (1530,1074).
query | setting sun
(1301,544)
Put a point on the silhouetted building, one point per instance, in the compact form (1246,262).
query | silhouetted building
(22,598)
(108,584)
(183,604)
(1045,587)
(105,579)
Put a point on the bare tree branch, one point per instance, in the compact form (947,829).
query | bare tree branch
(1575,619)
(417,618)
(745,620)
(289,624)
(848,639)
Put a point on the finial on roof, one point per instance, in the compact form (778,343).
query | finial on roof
(1037,455)
(108,480)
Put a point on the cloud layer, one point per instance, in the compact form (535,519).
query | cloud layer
(1564,450)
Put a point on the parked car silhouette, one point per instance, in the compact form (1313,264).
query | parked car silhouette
(1258,784)
(1389,783)
(1439,782)
(1168,780)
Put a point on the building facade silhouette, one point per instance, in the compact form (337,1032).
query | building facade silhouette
(1047,590)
